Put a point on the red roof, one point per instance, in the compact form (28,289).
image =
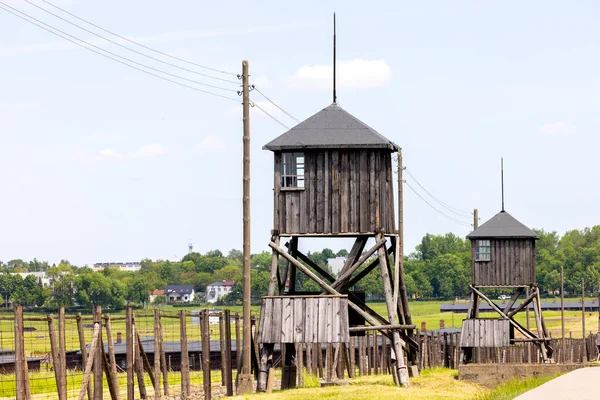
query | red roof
(157,292)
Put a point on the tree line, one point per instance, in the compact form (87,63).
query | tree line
(439,267)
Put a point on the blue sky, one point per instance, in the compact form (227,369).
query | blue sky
(99,162)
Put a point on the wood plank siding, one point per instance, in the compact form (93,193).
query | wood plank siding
(304,319)
(485,333)
(512,263)
(345,191)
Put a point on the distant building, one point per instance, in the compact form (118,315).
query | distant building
(180,293)
(155,293)
(217,290)
(41,277)
(336,264)
(123,266)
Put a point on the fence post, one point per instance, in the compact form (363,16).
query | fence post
(205,329)
(55,355)
(90,361)
(238,342)
(228,376)
(222,346)
(163,358)
(157,370)
(98,371)
(111,356)
(185,358)
(20,359)
(62,352)
(129,357)
(83,349)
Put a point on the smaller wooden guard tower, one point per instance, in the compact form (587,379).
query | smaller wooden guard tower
(333,178)
(503,256)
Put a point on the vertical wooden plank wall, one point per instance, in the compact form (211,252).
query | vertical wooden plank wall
(512,263)
(345,191)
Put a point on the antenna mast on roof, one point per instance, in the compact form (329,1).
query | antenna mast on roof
(502,179)
(334,93)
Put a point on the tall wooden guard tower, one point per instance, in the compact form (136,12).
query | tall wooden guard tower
(503,256)
(333,178)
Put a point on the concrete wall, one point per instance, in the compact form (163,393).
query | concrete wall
(493,374)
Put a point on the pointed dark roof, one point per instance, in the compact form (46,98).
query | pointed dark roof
(502,225)
(330,128)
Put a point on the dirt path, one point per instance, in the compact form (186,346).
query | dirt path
(581,384)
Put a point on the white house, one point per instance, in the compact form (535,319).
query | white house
(180,293)
(41,277)
(123,266)
(216,290)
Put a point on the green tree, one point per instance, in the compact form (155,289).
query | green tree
(138,291)
(28,292)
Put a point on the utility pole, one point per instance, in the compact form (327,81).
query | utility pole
(246,381)
(475,219)
(562,312)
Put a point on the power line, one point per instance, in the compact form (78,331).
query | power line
(454,210)
(128,48)
(139,44)
(253,104)
(117,55)
(272,102)
(3,6)
(456,221)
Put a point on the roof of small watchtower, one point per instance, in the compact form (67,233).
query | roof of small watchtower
(330,128)
(502,225)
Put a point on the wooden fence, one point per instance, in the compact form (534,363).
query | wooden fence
(439,349)
(160,354)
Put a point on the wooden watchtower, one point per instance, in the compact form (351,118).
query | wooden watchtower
(503,256)
(333,178)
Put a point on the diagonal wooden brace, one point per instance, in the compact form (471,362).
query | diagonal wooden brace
(324,285)
(518,326)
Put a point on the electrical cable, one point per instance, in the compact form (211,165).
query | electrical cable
(253,104)
(139,44)
(441,212)
(2,6)
(116,55)
(272,102)
(128,48)
(454,210)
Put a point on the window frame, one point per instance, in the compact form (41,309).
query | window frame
(291,165)
(486,245)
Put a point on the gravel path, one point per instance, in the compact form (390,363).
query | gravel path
(581,384)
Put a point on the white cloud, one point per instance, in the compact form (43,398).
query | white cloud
(149,151)
(261,82)
(108,154)
(353,74)
(558,129)
(211,143)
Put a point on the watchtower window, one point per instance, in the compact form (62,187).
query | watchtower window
(292,174)
(483,251)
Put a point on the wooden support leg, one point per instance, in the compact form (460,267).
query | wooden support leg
(288,373)
(540,330)
(396,341)
(266,358)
